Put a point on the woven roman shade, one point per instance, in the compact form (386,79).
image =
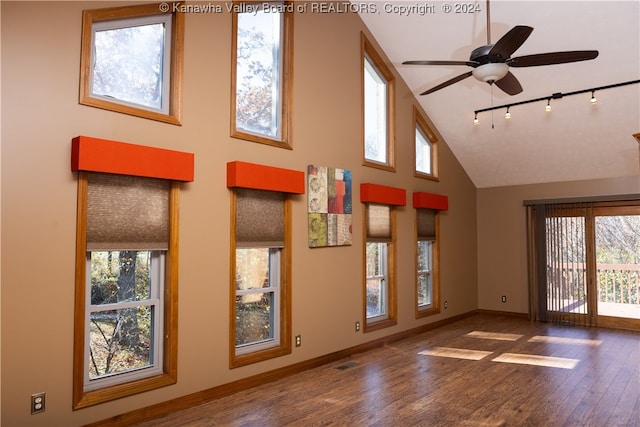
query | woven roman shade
(426,224)
(378,223)
(127,212)
(259,218)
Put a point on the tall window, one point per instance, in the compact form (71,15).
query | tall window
(380,286)
(379,111)
(261,314)
(125,285)
(426,148)
(131,60)
(427,263)
(262,72)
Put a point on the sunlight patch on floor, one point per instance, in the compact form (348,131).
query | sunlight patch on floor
(531,359)
(494,336)
(563,340)
(456,353)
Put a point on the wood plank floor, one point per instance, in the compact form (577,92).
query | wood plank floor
(405,384)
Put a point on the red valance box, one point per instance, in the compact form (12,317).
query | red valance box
(376,193)
(430,201)
(101,155)
(261,177)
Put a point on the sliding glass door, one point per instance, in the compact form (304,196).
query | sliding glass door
(584,263)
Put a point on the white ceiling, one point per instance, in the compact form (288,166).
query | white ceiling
(576,140)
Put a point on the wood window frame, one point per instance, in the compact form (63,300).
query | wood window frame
(435,284)
(420,123)
(369,51)
(285,140)
(392,289)
(284,346)
(89,17)
(82,398)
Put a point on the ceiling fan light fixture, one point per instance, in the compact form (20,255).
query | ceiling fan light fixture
(490,72)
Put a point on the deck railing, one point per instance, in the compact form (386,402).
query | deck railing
(617,283)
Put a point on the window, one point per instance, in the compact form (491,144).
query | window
(261,312)
(427,272)
(378,106)
(262,72)
(131,60)
(426,148)
(126,281)
(380,288)
(123,313)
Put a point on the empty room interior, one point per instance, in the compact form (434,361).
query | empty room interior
(320,213)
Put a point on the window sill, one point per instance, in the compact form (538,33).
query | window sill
(371,326)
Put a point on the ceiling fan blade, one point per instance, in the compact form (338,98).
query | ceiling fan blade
(552,58)
(510,42)
(447,83)
(509,84)
(469,63)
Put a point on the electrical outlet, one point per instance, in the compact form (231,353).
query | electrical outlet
(298,340)
(37,403)
(358,326)
(446,304)
(504,298)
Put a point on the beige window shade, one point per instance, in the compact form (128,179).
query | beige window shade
(127,212)
(426,224)
(378,223)
(259,218)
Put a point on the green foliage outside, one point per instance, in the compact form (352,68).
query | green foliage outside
(120,339)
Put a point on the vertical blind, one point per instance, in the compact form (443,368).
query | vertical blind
(559,288)
(127,212)
(378,223)
(259,218)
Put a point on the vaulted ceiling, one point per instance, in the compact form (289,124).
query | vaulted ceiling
(577,140)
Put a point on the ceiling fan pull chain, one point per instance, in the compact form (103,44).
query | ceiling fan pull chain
(492,124)
(488,23)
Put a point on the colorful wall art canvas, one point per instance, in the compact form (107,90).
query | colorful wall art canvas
(329,196)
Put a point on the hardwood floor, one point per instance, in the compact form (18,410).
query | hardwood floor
(416,382)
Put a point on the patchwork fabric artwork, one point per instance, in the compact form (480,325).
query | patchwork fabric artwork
(329,206)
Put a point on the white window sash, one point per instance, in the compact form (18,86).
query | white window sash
(117,24)
(156,301)
(274,287)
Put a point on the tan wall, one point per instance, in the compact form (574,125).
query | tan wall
(502,239)
(40,116)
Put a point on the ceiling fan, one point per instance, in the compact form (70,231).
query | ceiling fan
(491,63)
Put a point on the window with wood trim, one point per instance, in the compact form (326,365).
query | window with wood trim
(260,306)
(262,72)
(126,286)
(378,99)
(426,160)
(379,267)
(427,263)
(132,60)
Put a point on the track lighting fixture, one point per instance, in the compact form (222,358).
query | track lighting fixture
(557,95)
